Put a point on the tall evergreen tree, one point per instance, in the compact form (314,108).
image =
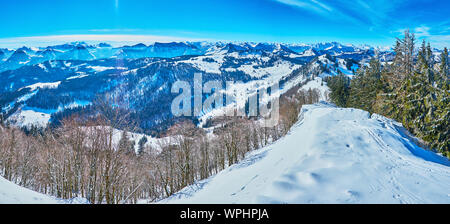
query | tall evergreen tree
(444,68)
(422,57)
(366,84)
(425,62)
(339,86)
(403,64)
(430,57)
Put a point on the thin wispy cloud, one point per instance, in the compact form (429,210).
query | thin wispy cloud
(113,30)
(370,13)
(310,5)
(422,31)
(433,34)
(382,16)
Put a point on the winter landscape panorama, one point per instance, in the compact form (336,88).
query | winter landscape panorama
(224,102)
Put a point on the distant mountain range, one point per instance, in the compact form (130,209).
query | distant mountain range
(56,81)
(13,59)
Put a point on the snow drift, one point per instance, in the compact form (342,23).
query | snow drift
(11,193)
(332,155)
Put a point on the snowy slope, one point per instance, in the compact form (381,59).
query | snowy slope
(332,155)
(319,85)
(27,118)
(11,193)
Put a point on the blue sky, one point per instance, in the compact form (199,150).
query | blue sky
(374,22)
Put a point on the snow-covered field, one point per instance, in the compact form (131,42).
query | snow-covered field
(28,116)
(152,142)
(332,155)
(319,85)
(24,118)
(48,85)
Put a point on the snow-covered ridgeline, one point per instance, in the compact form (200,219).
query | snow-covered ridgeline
(332,155)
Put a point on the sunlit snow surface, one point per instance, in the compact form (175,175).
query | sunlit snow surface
(49,85)
(320,85)
(332,155)
(11,193)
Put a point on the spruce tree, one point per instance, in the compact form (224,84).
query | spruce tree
(365,85)
(339,86)
(422,59)
(444,68)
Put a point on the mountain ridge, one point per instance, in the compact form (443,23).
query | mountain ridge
(144,82)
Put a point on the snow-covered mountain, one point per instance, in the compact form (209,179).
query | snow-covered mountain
(332,155)
(5,54)
(18,59)
(10,59)
(140,76)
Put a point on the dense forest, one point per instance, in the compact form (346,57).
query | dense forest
(413,90)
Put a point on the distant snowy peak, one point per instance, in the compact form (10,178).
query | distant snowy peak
(265,47)
(281,47)
(5,54)
(79,52)
(172,45)
(48,54)
(162,50)
(141,45)
(309,53)
(230,48)
(26,50)
(175,47)
(20,56)
(325,46)
(104,45)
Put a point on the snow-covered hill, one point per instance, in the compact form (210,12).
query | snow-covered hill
(332,155)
